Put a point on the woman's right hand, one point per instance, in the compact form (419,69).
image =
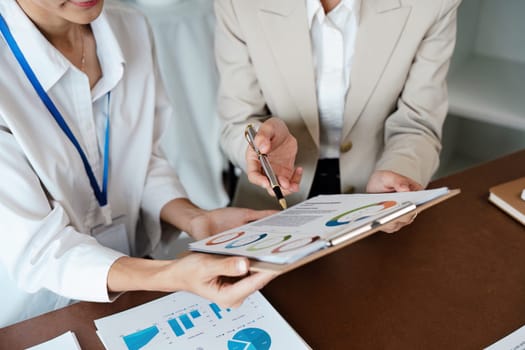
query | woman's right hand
(274,139)
(224,280)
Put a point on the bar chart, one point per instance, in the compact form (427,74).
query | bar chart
(185,321)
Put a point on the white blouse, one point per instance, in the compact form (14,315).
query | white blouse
(47,205)
(333,38)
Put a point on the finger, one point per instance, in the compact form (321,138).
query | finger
(291,184)
(414,186)
(231,267)
(252,215)
(296,179)
(237,292)
(255,175)
(402,187)
(259,179)
(390,227)
(399,223)
(265,134)
(405,184)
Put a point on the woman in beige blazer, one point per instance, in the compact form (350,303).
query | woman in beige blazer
(392,113)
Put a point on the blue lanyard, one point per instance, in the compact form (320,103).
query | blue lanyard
(102,196)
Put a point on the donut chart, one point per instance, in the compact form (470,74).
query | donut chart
(268,243)
(244,241)
(225,238)
(360,213)
(295,244)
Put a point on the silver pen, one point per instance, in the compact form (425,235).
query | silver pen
(249,134)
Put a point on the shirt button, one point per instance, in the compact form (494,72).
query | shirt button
(346,147)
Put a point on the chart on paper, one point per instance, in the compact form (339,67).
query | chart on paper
(300,230)
(185,321)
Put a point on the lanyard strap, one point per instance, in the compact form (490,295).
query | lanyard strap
(101,195)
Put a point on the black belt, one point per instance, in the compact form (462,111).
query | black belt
(326,179)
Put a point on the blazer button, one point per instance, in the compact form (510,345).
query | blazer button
(346,147)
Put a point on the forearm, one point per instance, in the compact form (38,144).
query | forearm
(128,274)
(179,213)
(413,132)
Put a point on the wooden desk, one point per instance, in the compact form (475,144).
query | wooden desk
(454,279)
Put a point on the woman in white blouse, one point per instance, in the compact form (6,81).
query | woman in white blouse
(84,185)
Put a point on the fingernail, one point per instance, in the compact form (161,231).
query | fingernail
(242,267)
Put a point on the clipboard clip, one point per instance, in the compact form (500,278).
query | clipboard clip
(338,238)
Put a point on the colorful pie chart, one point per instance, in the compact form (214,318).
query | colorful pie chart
(250,339)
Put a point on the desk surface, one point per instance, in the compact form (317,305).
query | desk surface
(454,279)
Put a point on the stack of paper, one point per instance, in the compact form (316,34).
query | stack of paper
(66,341)
(185,321)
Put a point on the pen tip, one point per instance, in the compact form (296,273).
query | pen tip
(283,204)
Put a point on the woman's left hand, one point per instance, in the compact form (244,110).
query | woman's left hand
(218,220)
(383,181)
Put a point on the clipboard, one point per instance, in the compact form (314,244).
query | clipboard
(344,233)
(256,265)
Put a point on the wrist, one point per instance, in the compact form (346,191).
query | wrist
(180,212)
(129,274)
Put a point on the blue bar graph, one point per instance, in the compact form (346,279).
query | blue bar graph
(175,327)
(139,339)
(216,309)
(195,314)
(186,321)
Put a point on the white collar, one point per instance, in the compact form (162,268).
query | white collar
(48,63)
(314,8)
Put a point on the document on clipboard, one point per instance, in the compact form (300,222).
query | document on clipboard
(317,227)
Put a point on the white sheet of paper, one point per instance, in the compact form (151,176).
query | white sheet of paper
(304,228)
(66,341)
(185,321)
(513,341)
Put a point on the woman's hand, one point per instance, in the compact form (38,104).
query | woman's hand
(274,139)
(224,280)
(388,181)
(200,223)
(218,220)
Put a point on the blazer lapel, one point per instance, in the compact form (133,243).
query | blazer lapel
(286,27)
(381,24)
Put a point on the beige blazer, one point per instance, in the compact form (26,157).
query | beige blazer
(395,107)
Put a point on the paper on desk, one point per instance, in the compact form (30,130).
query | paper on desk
(513,341)
(66,341)
(304,228)
(185,321)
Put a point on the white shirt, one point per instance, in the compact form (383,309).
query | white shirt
(333,38)
(47,206)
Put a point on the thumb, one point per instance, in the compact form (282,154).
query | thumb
(402,187)
(232,267)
